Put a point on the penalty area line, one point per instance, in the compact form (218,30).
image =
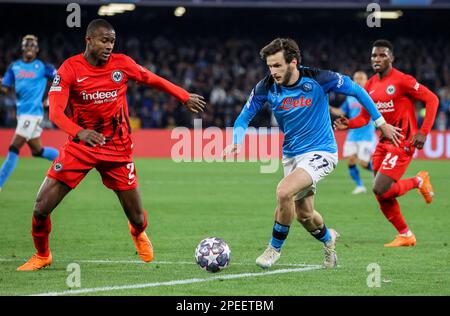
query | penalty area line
(177,282)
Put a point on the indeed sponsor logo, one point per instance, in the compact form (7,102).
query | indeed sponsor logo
(385,106)
(289,103)
(98,95)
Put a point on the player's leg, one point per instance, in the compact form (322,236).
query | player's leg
(10,162)
(50,194)
(38,150)
(293,183)
(388,186)
(121,177)
(365,151)
(350,154)
(301,175)
(65,174)
(313,222)
(137,217)
(354,174)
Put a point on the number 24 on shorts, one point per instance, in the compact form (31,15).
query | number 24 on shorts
(389,161)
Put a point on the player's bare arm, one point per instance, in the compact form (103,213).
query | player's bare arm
(196,103)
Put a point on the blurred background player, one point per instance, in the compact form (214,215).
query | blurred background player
(359,144)
(29,78)
(298,97)
(394,92)
(94,84)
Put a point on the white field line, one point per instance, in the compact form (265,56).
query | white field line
(177,282)
(106,261)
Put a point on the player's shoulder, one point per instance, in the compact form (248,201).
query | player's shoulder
(264,85)
(404,80)
(72,62)
(15,63)
(121,58)
(321,76)
(400,74)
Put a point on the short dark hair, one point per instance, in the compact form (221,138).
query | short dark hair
(384,43)
(288,46)
(94,25)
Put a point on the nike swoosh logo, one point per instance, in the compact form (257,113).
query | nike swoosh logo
(371,91)
(131,182)
(82,79)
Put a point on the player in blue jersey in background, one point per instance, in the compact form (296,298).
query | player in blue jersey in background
(28,77)
(298,97)
(360,142)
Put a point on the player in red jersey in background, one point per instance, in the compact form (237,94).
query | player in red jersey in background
(94,85)
(393,92)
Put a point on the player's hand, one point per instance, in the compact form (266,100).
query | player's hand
(196,103)
(46,102)
(418,140)
(392,133)
(340,123)
(231,149)
(91,137)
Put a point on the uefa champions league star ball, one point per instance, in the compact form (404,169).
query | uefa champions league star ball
(213,254)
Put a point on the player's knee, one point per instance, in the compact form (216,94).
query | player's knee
(39,212)
(378,190)
(138,220)
(37,153)
(283,195)
(14,149)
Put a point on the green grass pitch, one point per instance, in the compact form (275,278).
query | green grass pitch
(190,201)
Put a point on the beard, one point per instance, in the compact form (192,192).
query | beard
(287,76)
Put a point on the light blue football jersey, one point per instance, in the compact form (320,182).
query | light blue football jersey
(351,108)
(302,109)
(29,80)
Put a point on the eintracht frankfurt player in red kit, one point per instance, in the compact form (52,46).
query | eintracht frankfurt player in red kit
(393,92)
(93,85)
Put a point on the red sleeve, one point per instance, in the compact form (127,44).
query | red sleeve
(58,97)
(361,120)
(146,77)
(417,91)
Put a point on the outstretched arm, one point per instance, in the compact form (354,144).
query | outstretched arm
(254,104)
(343,84)
(194,102)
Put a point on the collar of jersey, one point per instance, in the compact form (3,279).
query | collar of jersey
(295,84)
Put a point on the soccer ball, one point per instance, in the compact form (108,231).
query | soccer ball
(213,254)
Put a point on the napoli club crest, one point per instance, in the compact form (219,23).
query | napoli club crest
(390,89)
(307,87)
(117,76)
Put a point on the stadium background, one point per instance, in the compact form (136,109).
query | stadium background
(213,50)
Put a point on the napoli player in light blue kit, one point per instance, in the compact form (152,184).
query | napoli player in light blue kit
(298,97)
(360,142)
(29,78)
